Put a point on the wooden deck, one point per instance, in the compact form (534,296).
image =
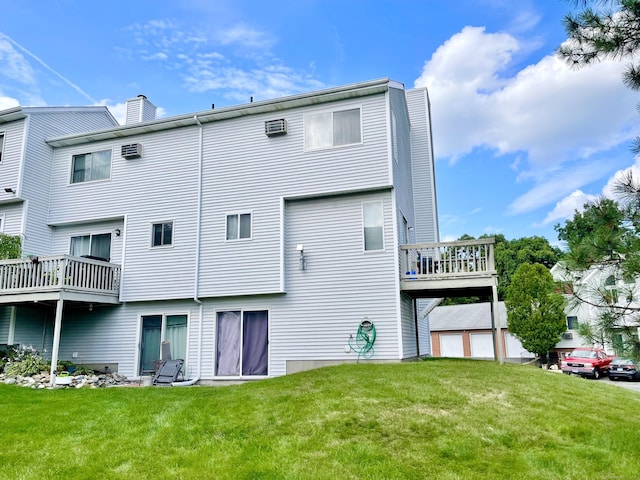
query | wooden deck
(55,277)
(461,268)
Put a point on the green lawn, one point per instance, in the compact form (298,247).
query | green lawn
(441,419)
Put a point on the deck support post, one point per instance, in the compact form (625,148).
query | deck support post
(415,320)
(56,341)
(496,325)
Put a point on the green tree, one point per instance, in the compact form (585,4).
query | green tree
(605,29)
(510,254)
(535,312)
(607,234)
(605,238)
(10,246)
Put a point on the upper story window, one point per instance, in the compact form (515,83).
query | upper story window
(91,166)
(97,246)
(331,129)
(572,323)
(238,226)
(162,234)
(1,145)
(372,220)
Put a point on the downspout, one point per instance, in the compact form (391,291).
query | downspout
(196,280)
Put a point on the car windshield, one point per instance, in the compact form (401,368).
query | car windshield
(622,361)
(583,354)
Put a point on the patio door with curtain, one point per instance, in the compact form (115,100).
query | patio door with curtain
(157,329)
(242,343)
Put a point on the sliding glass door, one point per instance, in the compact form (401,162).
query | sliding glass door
(242,343)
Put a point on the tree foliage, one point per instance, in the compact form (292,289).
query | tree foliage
(10,246)
(535,312)
(605,29)
(605,238)
(509,255)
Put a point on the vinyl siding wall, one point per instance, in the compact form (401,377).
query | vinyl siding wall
(34,326)
(160,186)
(62,236)
(246,171)
(423,168)
(36,181)
(12,213)
(342,283)
(243,171)
(12,154)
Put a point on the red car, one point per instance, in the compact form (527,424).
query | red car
(587,362)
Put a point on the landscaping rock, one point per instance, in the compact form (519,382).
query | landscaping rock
(41,380)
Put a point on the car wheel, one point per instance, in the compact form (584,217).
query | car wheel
(596,373)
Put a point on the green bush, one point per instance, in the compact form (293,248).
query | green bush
(24,361)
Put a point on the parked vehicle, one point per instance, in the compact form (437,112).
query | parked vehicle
(623,368)
(587,362)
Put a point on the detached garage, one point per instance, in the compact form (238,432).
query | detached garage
(465,331)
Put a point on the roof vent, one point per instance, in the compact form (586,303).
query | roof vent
(275,127)
(133,150)
(567,336)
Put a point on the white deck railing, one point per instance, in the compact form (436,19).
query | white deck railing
(35,274)
(462,258)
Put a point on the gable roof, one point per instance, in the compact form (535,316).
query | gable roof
(355,90)
(471,316)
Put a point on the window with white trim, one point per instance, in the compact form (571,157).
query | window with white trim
(1,222)
(1,146)
(332,129)
(94,245)
(89,167)
(162,234)
(373,226)
(572,322)
(238,226)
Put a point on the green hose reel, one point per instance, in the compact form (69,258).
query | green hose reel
(365,338)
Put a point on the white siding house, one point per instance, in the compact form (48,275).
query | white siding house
(590,285)
(254,239)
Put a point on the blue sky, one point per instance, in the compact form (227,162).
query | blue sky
(521,140)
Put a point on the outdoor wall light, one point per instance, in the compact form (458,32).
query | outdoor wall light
(117,232)
(302,261)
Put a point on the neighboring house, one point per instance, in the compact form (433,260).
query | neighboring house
(466,331)
(590,285)
(253,238)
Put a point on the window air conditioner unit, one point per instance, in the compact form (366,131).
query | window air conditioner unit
(275,127)
(567,336)
(132,151)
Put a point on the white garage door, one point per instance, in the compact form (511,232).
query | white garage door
(481,345)
(451,345)
(515,348)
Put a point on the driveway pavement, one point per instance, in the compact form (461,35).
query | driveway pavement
(623,383)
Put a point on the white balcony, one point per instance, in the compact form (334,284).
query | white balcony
(59,277)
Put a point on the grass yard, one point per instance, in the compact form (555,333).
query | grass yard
(440,419)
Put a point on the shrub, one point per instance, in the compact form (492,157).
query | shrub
(24,361)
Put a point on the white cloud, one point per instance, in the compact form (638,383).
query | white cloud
(8,102)
(568,206)
(13,64)
(245,36)
(556,121)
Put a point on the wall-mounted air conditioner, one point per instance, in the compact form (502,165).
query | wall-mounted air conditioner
(133,150)
(275,127)
(567,336)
